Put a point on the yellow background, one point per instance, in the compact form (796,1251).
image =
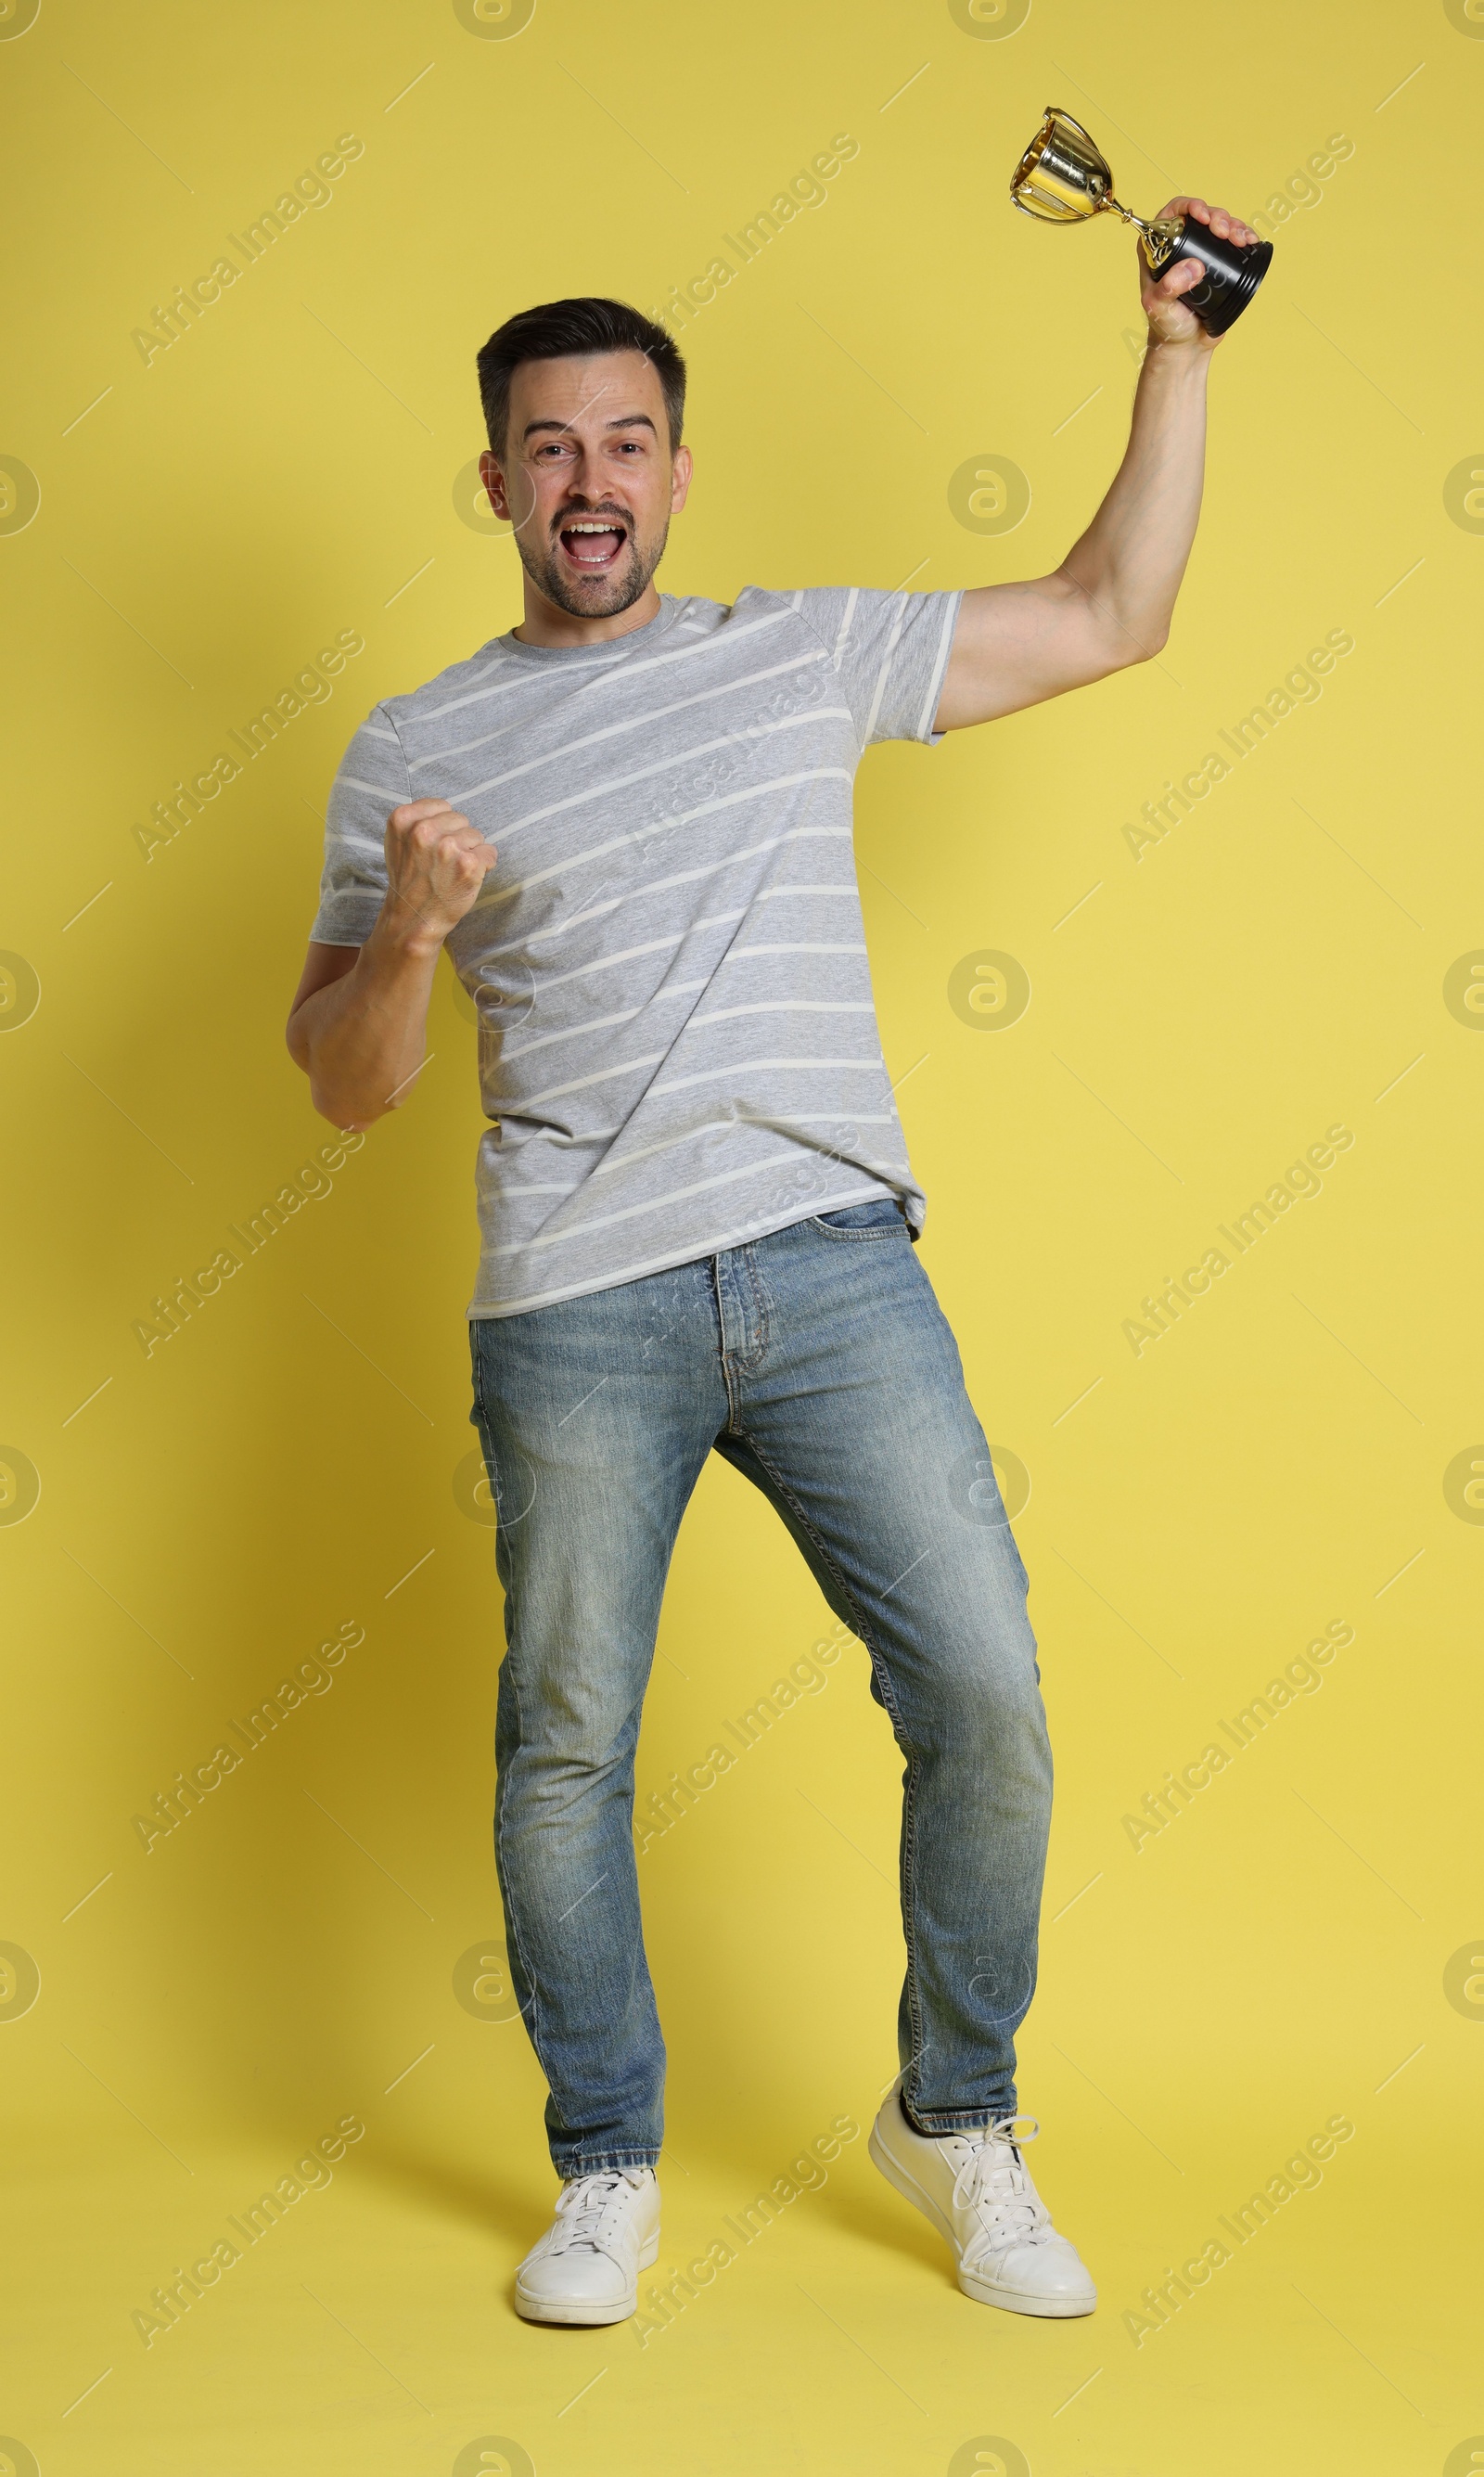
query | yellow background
(1276,1462)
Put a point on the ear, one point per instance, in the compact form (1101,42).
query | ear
(494,479)
(680,480)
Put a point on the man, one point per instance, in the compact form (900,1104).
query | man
(630,821)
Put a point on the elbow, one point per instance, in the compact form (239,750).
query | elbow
(1129,637)
(342,1109)
(1137,645)
(1115,650)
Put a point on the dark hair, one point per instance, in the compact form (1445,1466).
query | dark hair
(557,329)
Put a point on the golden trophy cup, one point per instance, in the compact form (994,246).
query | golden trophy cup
(1063,178)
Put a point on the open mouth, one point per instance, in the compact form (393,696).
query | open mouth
(593,544)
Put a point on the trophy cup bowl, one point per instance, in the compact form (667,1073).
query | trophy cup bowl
(1062,177)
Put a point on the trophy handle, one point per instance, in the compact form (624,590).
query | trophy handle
(1076,125)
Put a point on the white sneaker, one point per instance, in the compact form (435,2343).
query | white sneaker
(976,2190)
(586,2267)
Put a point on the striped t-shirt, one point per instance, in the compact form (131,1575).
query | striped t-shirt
(679,1048)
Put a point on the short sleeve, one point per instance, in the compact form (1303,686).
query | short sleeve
(890,652)
(372,782)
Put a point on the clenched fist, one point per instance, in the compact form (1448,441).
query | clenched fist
(436,863)
(1170,321)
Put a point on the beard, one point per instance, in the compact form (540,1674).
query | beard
(594,597)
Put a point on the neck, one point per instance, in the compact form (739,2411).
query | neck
(546,623)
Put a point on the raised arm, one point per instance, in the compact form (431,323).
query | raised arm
(358,1022)
(1109,602)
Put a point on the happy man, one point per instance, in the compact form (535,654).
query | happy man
(630,821)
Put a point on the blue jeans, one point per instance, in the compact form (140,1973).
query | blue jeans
(817,1362)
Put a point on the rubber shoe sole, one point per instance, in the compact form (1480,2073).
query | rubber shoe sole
(589,2311)
(1014,2300)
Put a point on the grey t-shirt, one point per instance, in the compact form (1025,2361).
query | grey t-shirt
(679,1048)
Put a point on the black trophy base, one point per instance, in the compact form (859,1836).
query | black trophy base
(1232,275)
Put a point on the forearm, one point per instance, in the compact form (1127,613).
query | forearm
(1129,561)
(361,1039)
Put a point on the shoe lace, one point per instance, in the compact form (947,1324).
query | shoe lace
(589,2208)
(994,2183)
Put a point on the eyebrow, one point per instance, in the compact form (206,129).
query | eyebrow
(623,422)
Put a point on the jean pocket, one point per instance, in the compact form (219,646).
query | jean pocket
(876,1219)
